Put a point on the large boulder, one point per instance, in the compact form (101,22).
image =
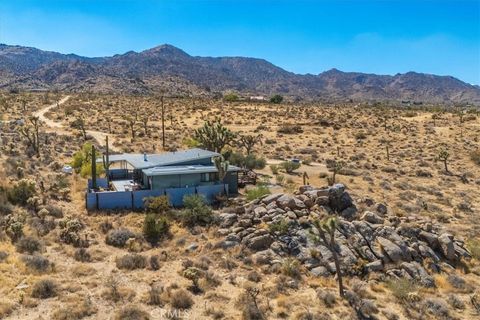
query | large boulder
(261,242)
(227,219)
(339,200)
(392,251)
(271,198)
(447,246)
(290,202)
(372,218)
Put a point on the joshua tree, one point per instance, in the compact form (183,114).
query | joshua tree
(163,122)
(305,178)
(145,124)
(249,141)
(443,156)
(222,166)
(326,236)
(337,166)
(30,130)
(131,121)
(214,136)
(79,123)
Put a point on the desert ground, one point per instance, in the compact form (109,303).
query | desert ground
(60,266)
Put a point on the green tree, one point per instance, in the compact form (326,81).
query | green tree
(276,99)
(249,141)
(443,156)
(230,97)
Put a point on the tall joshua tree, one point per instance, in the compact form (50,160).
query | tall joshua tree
(94,169)
(31,131)
(222,166)
(106,159)
(214,136)
(326,236)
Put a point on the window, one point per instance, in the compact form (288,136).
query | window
(209,177)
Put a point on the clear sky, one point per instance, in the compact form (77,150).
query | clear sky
(384,37)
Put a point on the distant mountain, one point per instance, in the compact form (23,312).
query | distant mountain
(167,68)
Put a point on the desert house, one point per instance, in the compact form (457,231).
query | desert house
(133,177)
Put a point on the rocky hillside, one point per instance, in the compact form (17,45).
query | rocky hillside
(152,70)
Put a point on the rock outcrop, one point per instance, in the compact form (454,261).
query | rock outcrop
(278,226)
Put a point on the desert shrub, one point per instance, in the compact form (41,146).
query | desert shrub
(455,301)
(75,311)
(290,129)
(361,135)
(181,299)
(274,168)
(6,308)
(475,156)
(438,308)
(250,161)
(106,226)
(36,263)
(15,230)
(196,211)
(28,245)
(119,237)
(257,192)
(131,261)
(154,262)
(44,289)
(82,255)
(21,192)
(3,256)
(70,228)
(154,296)
(289,166)
(254,276)
(327,297)
(401,288)
(157,204)
(291,268)
(474,248)
(276,99)
(54,211)
(132,312)
(155,228)
(280,226)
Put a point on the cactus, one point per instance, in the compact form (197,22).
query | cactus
(94,169)
(106,159)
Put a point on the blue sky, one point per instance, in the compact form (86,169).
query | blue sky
(384,37)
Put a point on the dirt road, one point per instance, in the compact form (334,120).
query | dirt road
(97,135)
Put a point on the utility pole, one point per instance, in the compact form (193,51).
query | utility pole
(163,123)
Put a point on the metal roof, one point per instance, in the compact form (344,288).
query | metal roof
(165,171)
(137,160)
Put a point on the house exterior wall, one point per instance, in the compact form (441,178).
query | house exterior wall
(192,180)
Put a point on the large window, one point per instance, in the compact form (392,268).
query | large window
(209,177)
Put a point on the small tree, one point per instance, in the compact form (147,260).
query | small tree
(277,99)
(131,122)
(249,141)
(326,236)
(443,156)
(214,136)
(230,97)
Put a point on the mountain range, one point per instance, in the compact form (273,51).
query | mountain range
(168,69)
